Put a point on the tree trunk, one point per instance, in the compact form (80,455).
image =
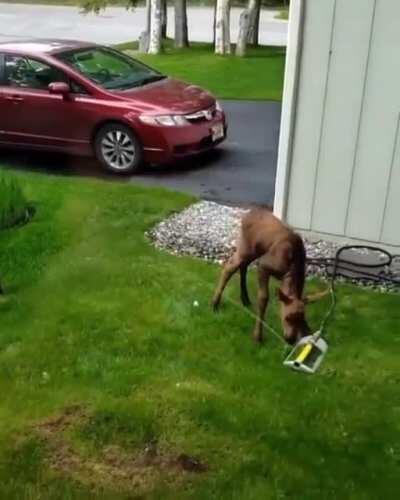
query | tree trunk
(181,26)
(145,35)
(155,27)
(222,28)
(144,42)
(254,24)
(148,15)
(257,28)
(164,18)
(244,22)
(214,22)
(247,21)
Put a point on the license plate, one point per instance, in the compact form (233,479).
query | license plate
(217,132)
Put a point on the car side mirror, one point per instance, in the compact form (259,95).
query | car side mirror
(60,88)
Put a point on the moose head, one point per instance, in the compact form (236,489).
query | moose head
(293,314)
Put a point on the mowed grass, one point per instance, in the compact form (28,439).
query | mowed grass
(13,205)
(100,327)
(257,76)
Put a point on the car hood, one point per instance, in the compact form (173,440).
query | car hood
(170,96)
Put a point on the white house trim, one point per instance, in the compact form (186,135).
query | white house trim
(292,66)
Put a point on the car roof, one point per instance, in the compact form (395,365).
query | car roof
(43,46)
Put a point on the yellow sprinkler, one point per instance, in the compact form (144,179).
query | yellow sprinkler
(308,354)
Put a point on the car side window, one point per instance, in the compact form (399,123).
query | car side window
(76,88)
(24,72)
(29,73)
(1,69)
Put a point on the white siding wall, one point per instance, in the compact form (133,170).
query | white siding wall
(344,175)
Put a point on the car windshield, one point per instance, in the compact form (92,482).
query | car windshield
(110,69)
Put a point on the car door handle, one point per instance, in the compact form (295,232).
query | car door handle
(14,98)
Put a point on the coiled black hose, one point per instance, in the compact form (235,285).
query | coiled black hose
(341,267)
(355,271)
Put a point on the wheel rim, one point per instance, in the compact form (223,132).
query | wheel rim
(118,150)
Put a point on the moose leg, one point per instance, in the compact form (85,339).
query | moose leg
(262,299)
(229,270)
(244,294)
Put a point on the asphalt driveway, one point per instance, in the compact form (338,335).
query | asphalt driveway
(241,171)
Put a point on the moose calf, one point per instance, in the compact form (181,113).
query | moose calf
(281,254)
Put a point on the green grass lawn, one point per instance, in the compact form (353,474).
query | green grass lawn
(257,76)
(13,205)
(103,355)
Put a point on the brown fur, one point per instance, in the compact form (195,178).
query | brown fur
(281,254)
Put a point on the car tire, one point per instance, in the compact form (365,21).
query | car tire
(118,149)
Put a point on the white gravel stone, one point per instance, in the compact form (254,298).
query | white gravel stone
(209,230)
(205,229)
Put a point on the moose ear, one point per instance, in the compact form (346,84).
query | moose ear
(283,297)
(310,299)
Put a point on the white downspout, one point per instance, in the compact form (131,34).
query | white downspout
(292,67)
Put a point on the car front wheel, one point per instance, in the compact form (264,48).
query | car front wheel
(118,149)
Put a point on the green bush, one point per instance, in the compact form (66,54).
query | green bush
(13,205)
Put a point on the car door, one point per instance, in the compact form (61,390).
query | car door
(2,101)
(31,115)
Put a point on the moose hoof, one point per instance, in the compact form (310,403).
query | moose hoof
(246,302)
(215,305)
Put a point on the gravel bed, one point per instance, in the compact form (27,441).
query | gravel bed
(208,230)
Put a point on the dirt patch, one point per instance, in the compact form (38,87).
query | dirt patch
(190,464)
(54,426)
(113,467)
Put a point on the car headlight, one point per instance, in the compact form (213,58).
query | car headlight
(218,106)
(164,120)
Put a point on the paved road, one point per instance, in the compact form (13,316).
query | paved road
(240,171)
(115,25)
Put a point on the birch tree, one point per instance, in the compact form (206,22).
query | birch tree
(244,24)
(181,25)
(144,37)
(155,27)
(222,28)
(247,17)
(254,23)
(214,21)
(164,18)
(148,15)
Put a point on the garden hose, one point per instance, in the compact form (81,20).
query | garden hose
(309,352)
(359,271)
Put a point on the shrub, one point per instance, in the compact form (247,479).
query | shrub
(13,205)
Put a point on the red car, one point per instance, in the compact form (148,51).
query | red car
(87,99)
